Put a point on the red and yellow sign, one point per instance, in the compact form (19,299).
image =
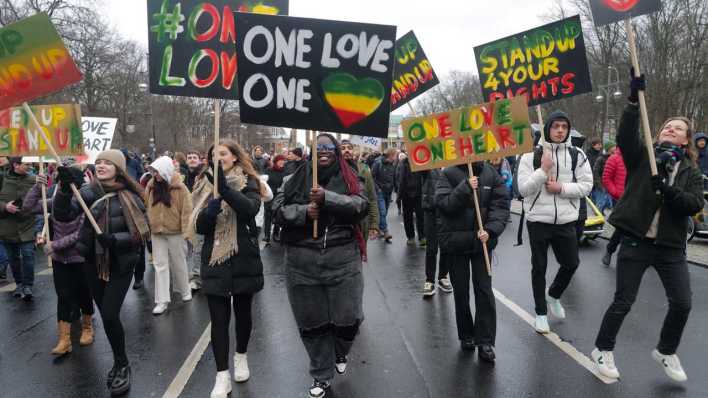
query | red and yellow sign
(61,124)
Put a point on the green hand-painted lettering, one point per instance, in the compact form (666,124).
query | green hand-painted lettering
(168,23)
(165,78)
(502,112)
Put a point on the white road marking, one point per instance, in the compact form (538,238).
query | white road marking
(12,286)
(185,372)
(566,347)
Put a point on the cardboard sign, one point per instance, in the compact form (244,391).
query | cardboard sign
(315,74)
(369,142)
(192,44)
(62,124)
(608,11)
(480,132)
(33,61)
(542,64)
(413,73)
(98,135)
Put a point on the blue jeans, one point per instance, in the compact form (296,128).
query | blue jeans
(3,259)
(384,203)
(21,256)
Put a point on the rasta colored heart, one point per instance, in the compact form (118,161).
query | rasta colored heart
(352,99)
(621,5)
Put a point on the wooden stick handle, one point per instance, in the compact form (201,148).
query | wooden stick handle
(314,176)
(648,142)
(215,157)
(479,222)
(539,115)
(45,212)
(54,153)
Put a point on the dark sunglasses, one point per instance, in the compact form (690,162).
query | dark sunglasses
(326,147)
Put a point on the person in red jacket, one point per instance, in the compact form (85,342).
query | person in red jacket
(613,178)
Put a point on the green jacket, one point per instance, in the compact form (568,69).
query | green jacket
(372,220)
(18,227)
(635,211)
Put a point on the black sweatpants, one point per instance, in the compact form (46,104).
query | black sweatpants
(614,241)
(411,206)
(73,292)
(220,312)
(484,329)
(431,250)
(109,298)
(634,257)
(564,242)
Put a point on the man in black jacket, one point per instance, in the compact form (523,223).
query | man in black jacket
(384,177)
(460,238)
(430,214)
(410,191)
(294,160)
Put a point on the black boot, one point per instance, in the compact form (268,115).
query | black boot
(606,259)
(486,353)
(111,376)
(467,344)
(121,382)
(137,284)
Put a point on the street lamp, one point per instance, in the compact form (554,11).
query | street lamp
(607,90)
(143,87)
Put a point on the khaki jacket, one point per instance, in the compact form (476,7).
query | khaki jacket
(173,219)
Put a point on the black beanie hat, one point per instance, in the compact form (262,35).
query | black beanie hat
(554,116)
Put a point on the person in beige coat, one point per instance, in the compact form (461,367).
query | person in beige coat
(169,206)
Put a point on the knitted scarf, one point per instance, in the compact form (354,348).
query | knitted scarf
(225,240)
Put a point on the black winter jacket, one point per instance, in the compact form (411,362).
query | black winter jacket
(384,173)
(127,252)
(243,272)
(457,225)
(275,179)
(430,178)
(635,211)
(410,185)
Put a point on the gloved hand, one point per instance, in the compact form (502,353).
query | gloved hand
(636,84)
(69,175)
(221,178)
(108,241)
(659,185)
(213,208)
(47,249)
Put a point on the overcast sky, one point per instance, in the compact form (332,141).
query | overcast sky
(447,29)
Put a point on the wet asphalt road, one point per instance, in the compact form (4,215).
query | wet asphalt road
(407,346)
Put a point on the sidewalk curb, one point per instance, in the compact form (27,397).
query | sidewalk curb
(702,265)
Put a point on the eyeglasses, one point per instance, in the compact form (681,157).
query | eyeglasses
(326,147)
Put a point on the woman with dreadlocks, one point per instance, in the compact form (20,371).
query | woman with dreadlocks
(231,271)
(323,274)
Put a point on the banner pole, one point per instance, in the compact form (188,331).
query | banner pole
(54,153)
(47,238)
(642,99)
(314,175)
(479,221)
(539,115)
(411,108)
(215,156)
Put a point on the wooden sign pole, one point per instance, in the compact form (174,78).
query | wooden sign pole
(479,222)
(539,115)
(47,238)
(215,156)
(314,175)
(54,153)
(642,99)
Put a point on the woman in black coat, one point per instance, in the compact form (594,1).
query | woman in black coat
(231,261)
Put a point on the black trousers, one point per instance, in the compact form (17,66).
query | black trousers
(220,312)
(431,250)
(484,329)
(413,206)
(73,292)
(564,242)
(109,298)
(614,242)
(635,256)
(140,266)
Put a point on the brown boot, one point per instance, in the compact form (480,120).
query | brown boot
(86,330)
(64,344)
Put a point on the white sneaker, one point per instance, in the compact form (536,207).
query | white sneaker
(241,372)
(159,309)
(222,385)
(187,297)
(605,362)
(318,389)
(340,364)
(671,364)
(555,306)
(193,286)
(428,289)
(541,324)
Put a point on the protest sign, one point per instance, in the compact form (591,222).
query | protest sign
(608,11)
(61,123)
(369,142)
(192,43)
(480,132)
(413,74)
(542,64)
(33,61)
(315,74)
(98,135)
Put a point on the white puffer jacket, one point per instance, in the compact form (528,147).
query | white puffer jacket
(542,206)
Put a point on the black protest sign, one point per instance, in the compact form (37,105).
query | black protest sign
(608,11)
(543,64)
(315,74)
(192,45)
(413,73)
